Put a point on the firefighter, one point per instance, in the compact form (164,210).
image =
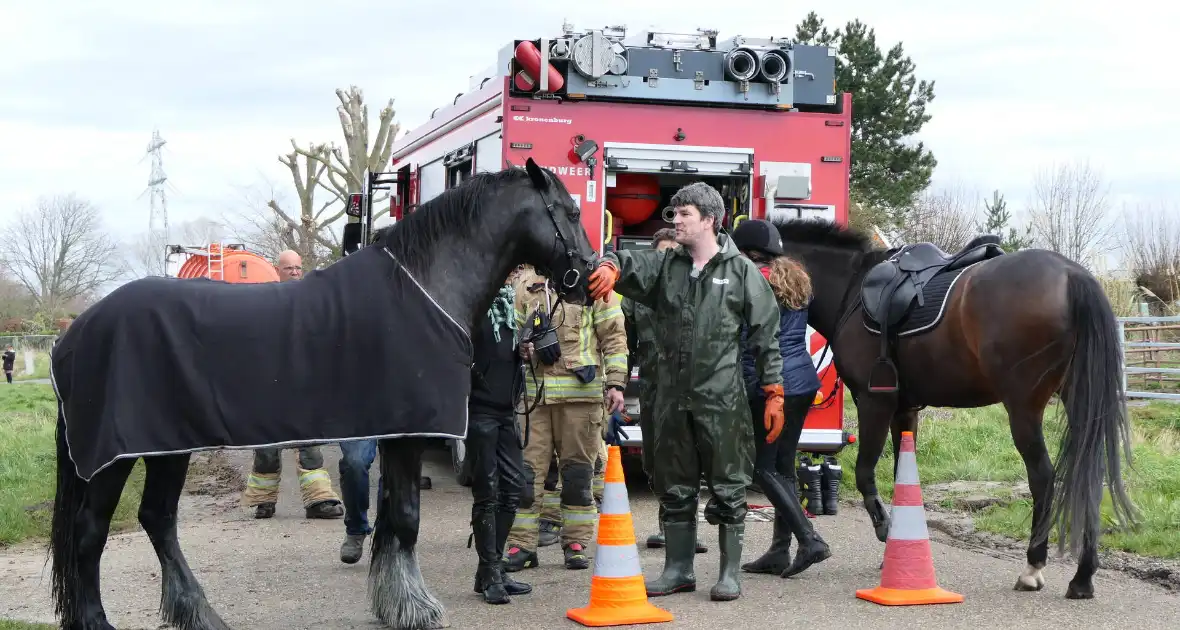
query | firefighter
(702,293)
(641,336)
(315,485)
(573,380)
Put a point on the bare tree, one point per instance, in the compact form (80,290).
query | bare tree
(945,217)
(59,251)
(255,223)
(1150,243)
(334,170)
(1069,212)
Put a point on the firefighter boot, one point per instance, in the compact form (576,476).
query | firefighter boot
(679,552)
(517,559)
(810,479)
(778,557)
(728,586)
(830,475)
(488,578)
(504,522)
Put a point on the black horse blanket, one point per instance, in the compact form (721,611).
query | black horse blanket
(168,365)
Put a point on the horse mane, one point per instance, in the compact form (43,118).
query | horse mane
(454,212)
(825,233)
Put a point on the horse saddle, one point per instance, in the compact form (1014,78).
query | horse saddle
(892,288)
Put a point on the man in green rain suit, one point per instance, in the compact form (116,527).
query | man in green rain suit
(701,293)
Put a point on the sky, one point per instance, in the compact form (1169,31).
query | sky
(1019,86)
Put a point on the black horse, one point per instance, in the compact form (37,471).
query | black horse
(164,367)
(992,328)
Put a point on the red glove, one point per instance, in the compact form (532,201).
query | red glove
(602,281)
(772,418)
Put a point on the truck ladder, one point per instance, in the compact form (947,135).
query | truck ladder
(216,268)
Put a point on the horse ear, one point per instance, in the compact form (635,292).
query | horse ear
(536,174)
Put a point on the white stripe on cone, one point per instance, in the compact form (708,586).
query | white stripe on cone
(614,499)
(909,523)
(907,469)
(616,561)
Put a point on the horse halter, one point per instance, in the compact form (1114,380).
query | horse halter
(573,275)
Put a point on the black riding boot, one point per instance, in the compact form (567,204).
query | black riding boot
(488,576)
(812,548)
(503,525)
(728,586)
(679,553)
(778,557)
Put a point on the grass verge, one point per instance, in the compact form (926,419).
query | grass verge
(7,624)
(28,467)
(975,445)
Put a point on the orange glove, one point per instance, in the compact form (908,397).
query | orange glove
(603,280)
(772,418)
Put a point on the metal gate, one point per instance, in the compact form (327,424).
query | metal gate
(1155,356)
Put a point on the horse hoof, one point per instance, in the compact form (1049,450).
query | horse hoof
(883,530)
(1027,584)
(1030,580)
(1079,592)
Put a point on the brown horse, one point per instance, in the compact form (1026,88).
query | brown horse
(972,330)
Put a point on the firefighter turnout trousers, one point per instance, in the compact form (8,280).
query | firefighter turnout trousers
(551,504)
(262,486)
(574,431)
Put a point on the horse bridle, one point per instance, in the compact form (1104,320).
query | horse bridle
(569,280)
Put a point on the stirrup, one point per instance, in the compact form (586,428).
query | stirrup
(883,390)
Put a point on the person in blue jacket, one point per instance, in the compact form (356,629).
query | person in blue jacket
(774,464)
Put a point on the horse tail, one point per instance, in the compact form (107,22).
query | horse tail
(71,490)
(1094,401)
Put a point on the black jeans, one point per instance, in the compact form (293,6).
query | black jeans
(780,456)
(497,463)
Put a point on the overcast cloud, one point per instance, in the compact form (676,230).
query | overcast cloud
(82,84)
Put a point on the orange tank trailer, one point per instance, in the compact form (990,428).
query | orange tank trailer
(238,267)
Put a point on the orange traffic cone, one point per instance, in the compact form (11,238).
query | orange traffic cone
(907,576)
(617,594)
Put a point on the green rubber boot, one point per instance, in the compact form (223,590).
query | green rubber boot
(655,541)
(728,587)
(678,576)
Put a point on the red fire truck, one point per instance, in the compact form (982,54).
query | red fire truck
(625,121)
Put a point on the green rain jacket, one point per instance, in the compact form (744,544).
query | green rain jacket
(698,325)
(641,337)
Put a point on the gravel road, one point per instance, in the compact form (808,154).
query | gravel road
(285,574)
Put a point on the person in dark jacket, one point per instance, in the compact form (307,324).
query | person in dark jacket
(9,362)
(493,447)
(774,463)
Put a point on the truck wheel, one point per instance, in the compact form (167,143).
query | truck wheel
(458,461)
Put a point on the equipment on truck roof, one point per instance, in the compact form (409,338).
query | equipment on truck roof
(605,64)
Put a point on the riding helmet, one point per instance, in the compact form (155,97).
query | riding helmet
(758,235)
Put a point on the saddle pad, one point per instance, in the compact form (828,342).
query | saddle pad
(927,316)
(169,365)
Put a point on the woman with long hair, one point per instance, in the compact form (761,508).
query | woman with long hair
(774,464)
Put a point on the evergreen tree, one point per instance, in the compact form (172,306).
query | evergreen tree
(888,107)
(995,221)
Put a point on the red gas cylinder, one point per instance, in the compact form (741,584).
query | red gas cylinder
(529,59)
(238,267)
(633,198)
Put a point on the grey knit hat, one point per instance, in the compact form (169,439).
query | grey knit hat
(705,198)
